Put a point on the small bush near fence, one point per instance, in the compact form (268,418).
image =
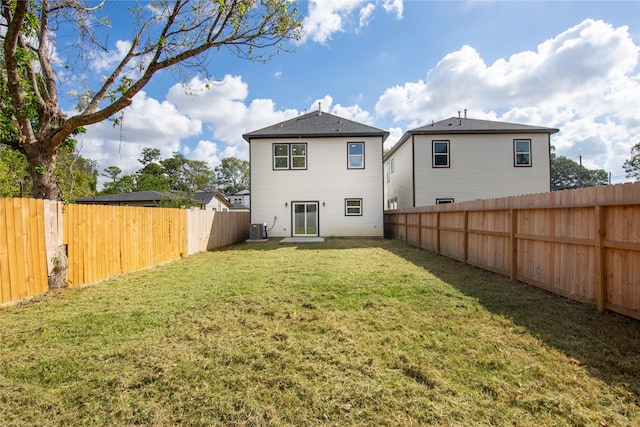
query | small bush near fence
(91,242)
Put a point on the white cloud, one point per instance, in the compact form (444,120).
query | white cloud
(354,112)
(584,81)
(394,136)
(223,107)
(146,123)
(394,6)
(108,60)
(322,103)
(326,17)
(206,151)
(366,14)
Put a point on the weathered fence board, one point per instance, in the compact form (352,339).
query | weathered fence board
(582,244)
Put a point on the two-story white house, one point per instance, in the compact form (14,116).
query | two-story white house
(461,159)
(317,175)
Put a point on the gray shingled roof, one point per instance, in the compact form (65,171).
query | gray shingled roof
(134,196)
(147,196)
(460,125)
(315,124)
(457,125)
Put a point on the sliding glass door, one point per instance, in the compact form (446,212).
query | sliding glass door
(305,218)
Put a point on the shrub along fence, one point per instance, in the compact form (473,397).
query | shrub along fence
(91,242)
(582,244)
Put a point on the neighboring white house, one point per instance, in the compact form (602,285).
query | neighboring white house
(317,175)
(242,197)
(212,201)
(461,159)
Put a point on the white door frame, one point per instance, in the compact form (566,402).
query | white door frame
(306,222)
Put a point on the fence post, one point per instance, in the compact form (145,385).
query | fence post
(420,230)
(600,285)
(438,232)
(513,270)
(466,236)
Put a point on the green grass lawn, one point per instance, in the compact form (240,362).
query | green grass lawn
(349,332)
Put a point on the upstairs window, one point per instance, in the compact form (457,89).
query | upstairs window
(298,156)
(290,156)
(281,156)
(355,155)
(440,154)
(521,152)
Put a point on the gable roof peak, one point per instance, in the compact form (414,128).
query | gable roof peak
(315,124)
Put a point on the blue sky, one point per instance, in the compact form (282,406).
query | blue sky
(397,65)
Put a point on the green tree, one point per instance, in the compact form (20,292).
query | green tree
(124,184)
(177,36)
(201,175)
(567,174)
(187,175)
(632,165)
(174,173)
(232,175)
(176,170)
(149,155)
(77,176)
(14,173)
(112,172)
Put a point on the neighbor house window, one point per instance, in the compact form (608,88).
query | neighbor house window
(388,172)
(522,152)
(290,156)
(392,203)
(353,207)
(440,154)
(443,201)
(356,155)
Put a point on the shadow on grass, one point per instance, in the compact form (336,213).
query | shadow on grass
(606,344)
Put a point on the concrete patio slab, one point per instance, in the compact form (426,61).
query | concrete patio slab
(302,240)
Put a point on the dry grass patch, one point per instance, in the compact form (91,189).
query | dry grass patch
(351,332)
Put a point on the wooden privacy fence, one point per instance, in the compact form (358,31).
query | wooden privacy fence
(582,244)
(94,242)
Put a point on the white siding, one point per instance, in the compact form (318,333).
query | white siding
(400,184)
(326,181)
(481,167)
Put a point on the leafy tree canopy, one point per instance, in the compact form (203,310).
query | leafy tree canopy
(567,174)
(179,36)
(76,176)
(232,175)
(174,173)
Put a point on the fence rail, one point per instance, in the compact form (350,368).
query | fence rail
(581,244)
(93,242)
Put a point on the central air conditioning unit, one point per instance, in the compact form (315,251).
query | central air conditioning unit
(257,232)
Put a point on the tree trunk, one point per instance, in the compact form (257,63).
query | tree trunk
(42,169)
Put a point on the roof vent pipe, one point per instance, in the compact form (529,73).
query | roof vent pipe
(465,113)
(319,108)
